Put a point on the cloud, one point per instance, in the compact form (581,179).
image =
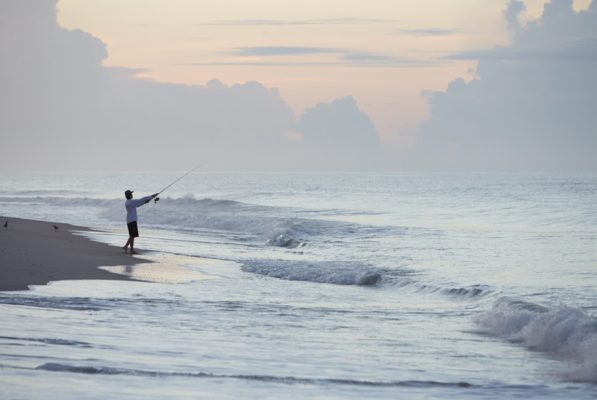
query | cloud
(328,21)
(61,109)
(560,34)
(512,13)
(344,61)
(376,57)
(124,72)
(531,107)
(269,51)
(335,135)
(339,123)
(425,32)
(344,57)
(582,50)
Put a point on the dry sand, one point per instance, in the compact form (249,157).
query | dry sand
(34,253)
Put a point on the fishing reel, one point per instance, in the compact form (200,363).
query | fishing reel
(156,200)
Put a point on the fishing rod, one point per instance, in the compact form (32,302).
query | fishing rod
(211,138)
(164,189)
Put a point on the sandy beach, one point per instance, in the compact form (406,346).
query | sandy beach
(34,253)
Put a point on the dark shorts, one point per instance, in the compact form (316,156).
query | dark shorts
(133,231)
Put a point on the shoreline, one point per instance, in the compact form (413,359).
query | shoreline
(34,253)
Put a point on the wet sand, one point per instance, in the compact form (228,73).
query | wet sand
(34,253)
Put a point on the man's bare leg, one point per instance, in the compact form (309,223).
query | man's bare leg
(127,245)
(132,239)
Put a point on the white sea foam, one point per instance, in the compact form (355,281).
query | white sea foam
(286,240)
(567,332)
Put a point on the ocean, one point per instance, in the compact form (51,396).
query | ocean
(320,285)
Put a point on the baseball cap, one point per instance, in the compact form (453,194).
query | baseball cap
(128,193)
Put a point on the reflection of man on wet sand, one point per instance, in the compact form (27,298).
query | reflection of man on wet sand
(131,217)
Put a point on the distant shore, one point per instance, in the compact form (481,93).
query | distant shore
(35,253)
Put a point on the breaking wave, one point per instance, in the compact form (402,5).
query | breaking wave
(460,292)
(317,271)
(567,332)
(352,273)
(285,240)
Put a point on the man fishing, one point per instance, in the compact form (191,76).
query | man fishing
(131,211)
(131,217)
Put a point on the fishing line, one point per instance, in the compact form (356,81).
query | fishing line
(164,189)
(212,138)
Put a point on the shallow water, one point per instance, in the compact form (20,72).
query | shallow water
(330,286)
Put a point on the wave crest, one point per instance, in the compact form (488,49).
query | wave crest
(319,272)
(568,332)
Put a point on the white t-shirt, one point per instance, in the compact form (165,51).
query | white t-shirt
(131,208)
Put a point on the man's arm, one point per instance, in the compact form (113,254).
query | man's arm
(142,201)
(149,198)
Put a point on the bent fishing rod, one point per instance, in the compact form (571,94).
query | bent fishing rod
(164,189)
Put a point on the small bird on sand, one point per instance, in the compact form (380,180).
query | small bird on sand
(55,228)
(6,226)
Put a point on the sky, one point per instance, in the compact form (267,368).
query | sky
(327,85)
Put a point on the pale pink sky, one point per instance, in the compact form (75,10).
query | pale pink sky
(508,85)
(191,42)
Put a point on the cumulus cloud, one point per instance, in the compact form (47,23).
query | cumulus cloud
(531,105)
(511,14)
(337,124)
(560,34)
(337,136)
(61,109)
